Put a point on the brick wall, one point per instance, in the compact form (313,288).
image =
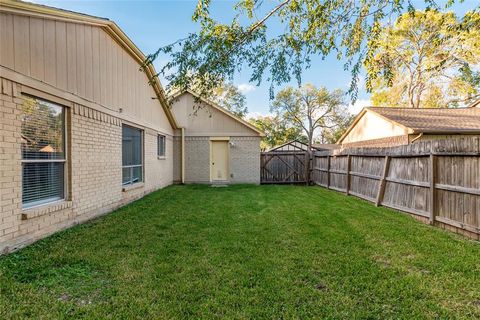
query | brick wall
(197,160)
(94,171)
(244,160)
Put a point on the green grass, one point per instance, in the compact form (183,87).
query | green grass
(245,252)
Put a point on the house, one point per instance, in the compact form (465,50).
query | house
(83,131)
(218,146)
(387,127)
(296,145)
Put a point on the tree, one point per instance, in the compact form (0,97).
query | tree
(276,131)
(311,28)
(229,97)
(310,109)
(332,135)
(426,59)
(226,94)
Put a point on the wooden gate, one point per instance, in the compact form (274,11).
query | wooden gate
(284,167)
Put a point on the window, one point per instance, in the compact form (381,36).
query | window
(43,152)
(132,160)
(161,145)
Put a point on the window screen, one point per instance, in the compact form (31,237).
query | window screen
(161,146)
(132,160)
(43,152)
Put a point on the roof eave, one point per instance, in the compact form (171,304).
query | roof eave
(25,8)
(178,93)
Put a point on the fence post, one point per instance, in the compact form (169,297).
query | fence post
(328,172)
(307,168)
(349,159)
(383,182)
(432,169)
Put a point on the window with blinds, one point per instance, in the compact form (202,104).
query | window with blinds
(161,145)
(43,152)
(132,158)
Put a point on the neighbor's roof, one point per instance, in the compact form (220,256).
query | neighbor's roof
(218,107)
(433,120)
(303,146)
(42,11)
(325,146)
(427,120)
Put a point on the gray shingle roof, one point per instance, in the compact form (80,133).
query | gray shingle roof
(462,120)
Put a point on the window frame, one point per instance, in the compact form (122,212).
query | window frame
(65,160)
(131,167)
(164,138)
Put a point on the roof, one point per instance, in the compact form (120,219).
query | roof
(326,146)
(293,143)
(42,11)
(426,120)
(433,120)
(217,107)
(303,146)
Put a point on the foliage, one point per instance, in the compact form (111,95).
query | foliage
(276,131)
(311,28)
(250,252)
(310,109)
(225,94)
(426,59)
(332,135)
(229,97)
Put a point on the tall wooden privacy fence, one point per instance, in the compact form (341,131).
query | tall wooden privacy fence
(438,181)
(284,167)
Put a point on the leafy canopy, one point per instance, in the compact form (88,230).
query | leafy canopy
(310,109)
(310,28)
(276,131)
(226,94)
(426,59)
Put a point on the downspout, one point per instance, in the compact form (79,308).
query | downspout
(183,154)
(417,137)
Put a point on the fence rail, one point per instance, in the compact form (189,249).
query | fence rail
(438,181)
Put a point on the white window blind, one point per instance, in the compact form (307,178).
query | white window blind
(132,158)
(43,152)
(161,145)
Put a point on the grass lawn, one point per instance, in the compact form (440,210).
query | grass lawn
(245,252)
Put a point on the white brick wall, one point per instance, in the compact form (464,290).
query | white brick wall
(94,175)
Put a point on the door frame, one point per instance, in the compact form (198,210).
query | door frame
(219,139)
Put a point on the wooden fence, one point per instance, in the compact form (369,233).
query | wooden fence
(284,167)
(437,181)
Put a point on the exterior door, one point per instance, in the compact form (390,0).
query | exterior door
(219,161)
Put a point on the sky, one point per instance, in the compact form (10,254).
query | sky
(151,24)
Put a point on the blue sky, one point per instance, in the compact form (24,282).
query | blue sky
(155,23)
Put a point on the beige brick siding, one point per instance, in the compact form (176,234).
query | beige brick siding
(158,171)
(197,160)
(177,159)
(244,160)
(94,160)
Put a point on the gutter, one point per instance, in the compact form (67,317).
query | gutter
(417,137)
(183,155)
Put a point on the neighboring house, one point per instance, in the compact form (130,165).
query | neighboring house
(296,145)
(218,146)
(386,127)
